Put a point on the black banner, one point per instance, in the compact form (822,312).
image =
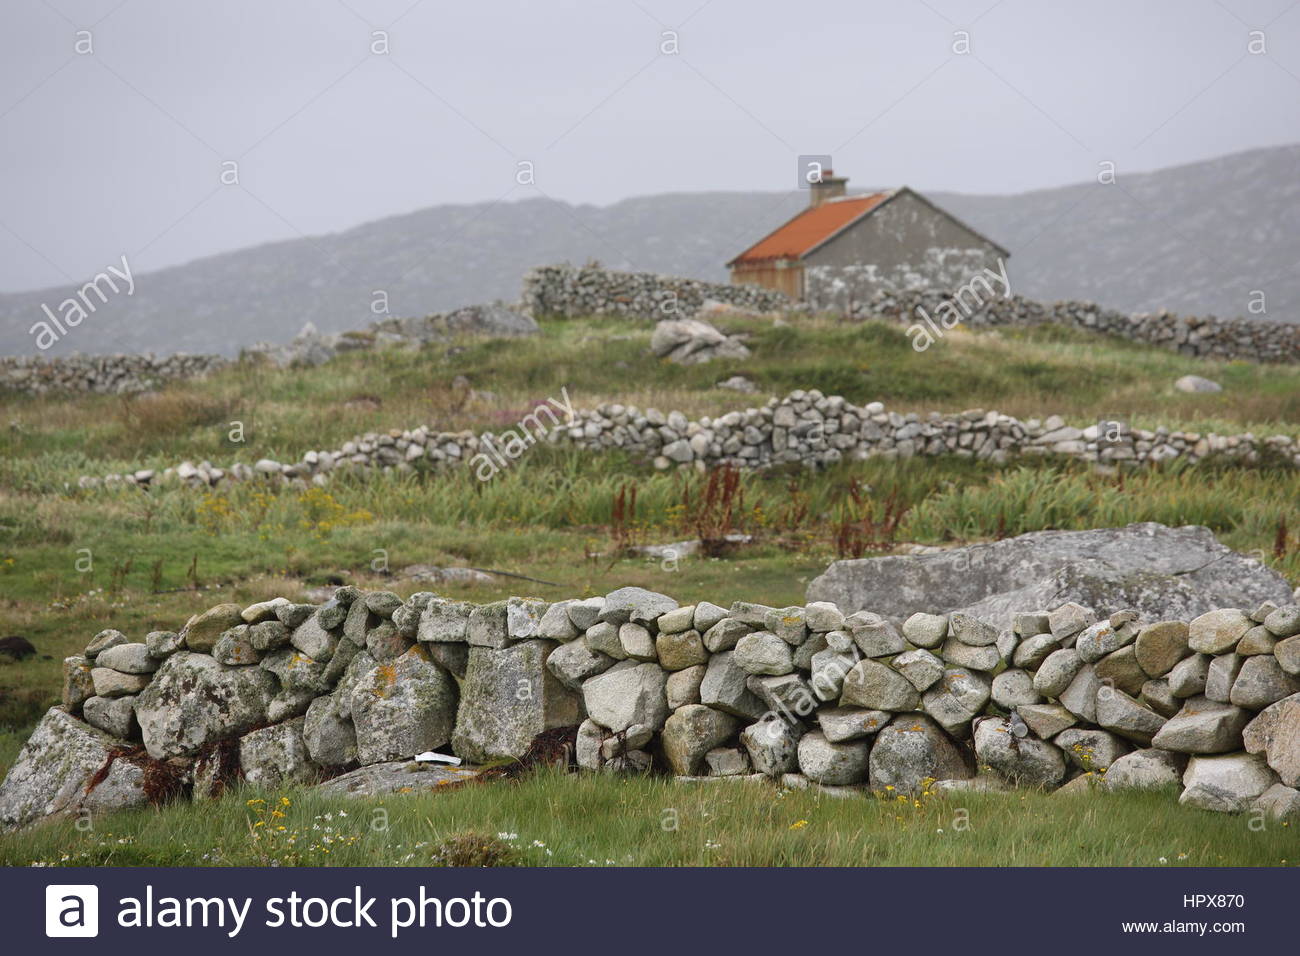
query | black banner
(655,911)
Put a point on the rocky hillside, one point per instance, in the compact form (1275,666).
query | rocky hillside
(1194,238)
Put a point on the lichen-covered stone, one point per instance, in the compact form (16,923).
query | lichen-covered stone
(725,687)
(78,686)
(1227,784)
(1217,631)
(678,650)
(235,647)
(277,756)
(911,749)
(113,715)
(162,644)
(295,670)
(111,683)
(202,631)
(330,739)
(1022,761)
(54,774)
(573,662)
(876,686)
(628,694)
(444,621)
(103,641)
(194,701)
(690,733)
(508,697)
(833,764)
(127,658)
(403,707)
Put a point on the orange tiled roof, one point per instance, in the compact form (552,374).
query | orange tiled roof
(810,228)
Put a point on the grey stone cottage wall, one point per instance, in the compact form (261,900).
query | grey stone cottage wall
(904,244)
(287,693)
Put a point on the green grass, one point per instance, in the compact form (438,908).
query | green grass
(550,819)
(1029,373)
(548,518)
(157,557)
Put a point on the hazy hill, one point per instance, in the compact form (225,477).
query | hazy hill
(1193,238)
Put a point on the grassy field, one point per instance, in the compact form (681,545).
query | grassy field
(1028,373)
(550,819)
(549,520)
(73,562)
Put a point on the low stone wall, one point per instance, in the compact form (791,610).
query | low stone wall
(310,347)
(805,428)
(1255,340)
(126,374)
(285,693)
(106,374)
(571,292)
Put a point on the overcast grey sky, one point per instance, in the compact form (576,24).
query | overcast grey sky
(120,149)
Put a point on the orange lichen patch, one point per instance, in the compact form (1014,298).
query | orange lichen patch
(385,679)
(810,228)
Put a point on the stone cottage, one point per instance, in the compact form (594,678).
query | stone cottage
(845,246)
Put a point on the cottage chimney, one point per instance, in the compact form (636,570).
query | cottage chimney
(830,187)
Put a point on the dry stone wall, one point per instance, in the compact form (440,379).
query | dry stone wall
(565,291)
(1256,340)
(127,374)
(632,681)
(805,428)
(106,374)
(855,292)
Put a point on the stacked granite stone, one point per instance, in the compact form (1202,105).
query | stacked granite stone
(1253,339)
(807,696)
(805,428)
(400,450)
(570,292)
(126,374)
(311,347)
(111,374)
(565,291)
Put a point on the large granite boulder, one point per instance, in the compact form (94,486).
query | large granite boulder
(492,319)
(508,697)
(1226,783)
(912,749)
(832,764)
(330,738)
(627,695)
(53,773)
(276,756)
(1022,761)
(1163,573)
(403,707)
(692,732)
(193,701)
(692,341)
